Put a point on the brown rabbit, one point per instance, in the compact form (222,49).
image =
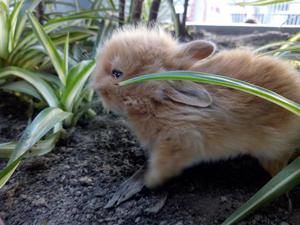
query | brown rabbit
(182,123)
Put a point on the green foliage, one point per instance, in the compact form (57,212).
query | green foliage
(48,119)
(19,45)
(65,93)
(262,2)
(220,80)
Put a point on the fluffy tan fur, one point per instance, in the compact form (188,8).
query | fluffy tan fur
(181,123)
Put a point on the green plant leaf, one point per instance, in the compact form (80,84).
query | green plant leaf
(220,80)
(293,48)
(4,28)
(23,87)
(35,79)
(43,122)
(89,14)
(28,6)
(40,148)
(6,173)
(271,45)
(66,54)
(13,22)
(262,2)
(77,77)
(284,181)
(56,59)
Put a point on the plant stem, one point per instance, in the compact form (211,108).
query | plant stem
(137,11)
(154,11)
(122,12)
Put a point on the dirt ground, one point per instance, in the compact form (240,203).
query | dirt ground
(72,184)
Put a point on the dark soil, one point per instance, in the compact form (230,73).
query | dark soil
(72,184)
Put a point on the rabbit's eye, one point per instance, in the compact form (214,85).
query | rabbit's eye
(116,73)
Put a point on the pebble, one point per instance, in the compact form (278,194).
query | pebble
(224,199)
(283,223)
(39,202)
(138,219)
(86,181)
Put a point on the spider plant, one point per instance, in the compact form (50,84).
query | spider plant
(19,45)
(66,95)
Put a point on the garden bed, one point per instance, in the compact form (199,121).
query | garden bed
(73,183)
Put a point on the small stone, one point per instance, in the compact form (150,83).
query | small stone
(138,219)
(283,223)
(179,223)
(86,181)
(39,202)
(78,193)
(224,199)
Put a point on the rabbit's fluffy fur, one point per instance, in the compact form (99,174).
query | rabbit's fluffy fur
(181,123)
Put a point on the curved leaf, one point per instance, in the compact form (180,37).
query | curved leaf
(284,181)
(77,77)
(23,87)
(4,28)
(223,81)
(35,79)
(56,59)
(40,126)
(40,148)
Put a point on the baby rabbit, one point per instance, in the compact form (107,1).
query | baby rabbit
(182,123)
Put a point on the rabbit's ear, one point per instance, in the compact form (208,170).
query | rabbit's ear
(196,50)
(188,93)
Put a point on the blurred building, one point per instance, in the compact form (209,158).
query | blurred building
(226,12)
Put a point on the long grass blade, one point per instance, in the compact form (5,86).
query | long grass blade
(28,6)
(4,30)
(42,123)
(13,22)
(284,181)
(77,77)
(262,2)
(6,173)
(66,54)
(56,59)
(40,148)
(220,80)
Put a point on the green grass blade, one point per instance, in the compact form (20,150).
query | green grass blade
(28,6)
(77,77)
(40,148)
(56,59)
(271,45)
(112,4)
(66,54)
(294,48)
(223,81)
(291,41)
(36,80)
(42,123)
(288,178)
(262,2)
(13,22)
(22,87)
(78,16)
(4,30)
(6,173)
